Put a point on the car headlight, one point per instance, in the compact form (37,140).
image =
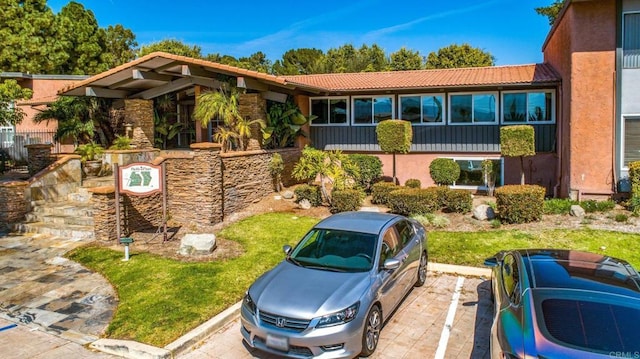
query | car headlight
(341,317)
(248,303)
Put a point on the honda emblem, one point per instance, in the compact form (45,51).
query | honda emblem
(281,322)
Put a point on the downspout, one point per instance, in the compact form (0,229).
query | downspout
(559,125)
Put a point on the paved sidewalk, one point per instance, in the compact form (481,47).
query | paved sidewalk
(41,290)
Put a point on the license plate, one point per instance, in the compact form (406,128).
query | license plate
(278,342)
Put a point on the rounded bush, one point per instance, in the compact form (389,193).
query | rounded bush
(310,193)
(458,201)
(380,192)
(520,203)
(413,183)
(413,201)
(369,170)
(346,200)
(444,171)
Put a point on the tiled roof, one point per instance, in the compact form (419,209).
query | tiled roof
(461,77)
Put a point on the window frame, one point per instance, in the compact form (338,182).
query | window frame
(496,108)
(527,92)
(635,117)
(372,97)
(329,98)
(469,158)
(443,120)
(623,26)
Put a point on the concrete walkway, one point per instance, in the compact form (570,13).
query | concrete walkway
(46,293)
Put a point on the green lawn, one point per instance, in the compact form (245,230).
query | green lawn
(162,299)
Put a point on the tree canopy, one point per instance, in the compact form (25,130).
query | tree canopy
(456,56)
(171,46)
(405,59)
(10,91)
(552,11)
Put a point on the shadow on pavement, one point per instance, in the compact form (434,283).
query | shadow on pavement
(484,318)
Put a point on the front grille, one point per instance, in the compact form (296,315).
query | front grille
(273,320)
(293,349)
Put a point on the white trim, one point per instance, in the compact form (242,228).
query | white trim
(373,97)
(442,95)
(527,92)
(496,108)
(329,98)
(623,125)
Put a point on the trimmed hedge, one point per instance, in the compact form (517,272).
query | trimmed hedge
(369,168)
(458,201)
(380,192)
(394,136)
(310,193)
(413,183)
(517,140)
(412,201)
(520,203)
(346,200)
(634,178)
(444,171)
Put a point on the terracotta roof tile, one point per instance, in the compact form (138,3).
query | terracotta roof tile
(462,77)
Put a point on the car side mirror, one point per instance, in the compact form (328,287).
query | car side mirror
(491,262)
(391,264)
(287,249)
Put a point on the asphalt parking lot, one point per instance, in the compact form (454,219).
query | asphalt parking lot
(449,317)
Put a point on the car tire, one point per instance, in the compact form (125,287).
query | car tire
(422,270)
(371,331)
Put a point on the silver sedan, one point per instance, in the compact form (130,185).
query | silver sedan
(331,295)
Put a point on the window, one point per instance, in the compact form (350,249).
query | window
(631,41)
(511,278)
(631,140)
(534,106)
(472,176)
(6,136)
(480,108)
(390,245)
(426,109)
(329,110)
(405,229)
(372,109)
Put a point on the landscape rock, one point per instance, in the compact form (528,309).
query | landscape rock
(484,212)
(197,244)
(287,194)
(305,204)
(577,211)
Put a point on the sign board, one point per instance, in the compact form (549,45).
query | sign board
(140,179)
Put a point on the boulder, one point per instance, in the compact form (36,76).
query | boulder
(287,194)
(484,212)
(197,244)
(577,211)
(304,204)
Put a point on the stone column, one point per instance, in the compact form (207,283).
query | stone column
(252,106)
(38,157)
(14,206)
(139,113)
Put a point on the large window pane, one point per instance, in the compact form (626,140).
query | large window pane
(539,106)
(631,140)
(471,173)
(383,109)
(362,111)
(514,107)
(461,108)
(410,109)
(432,108)
(631,41)
(338,111)
(320,109)
(484,108)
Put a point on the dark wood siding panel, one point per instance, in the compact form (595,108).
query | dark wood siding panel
(450,139)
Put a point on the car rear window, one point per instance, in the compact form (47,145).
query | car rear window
(590,325)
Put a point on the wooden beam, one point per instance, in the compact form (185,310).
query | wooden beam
(252,84)
(274,96)
(105,93)
(177,85)
(189,70)
(148,75)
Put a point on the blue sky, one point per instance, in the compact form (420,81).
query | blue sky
(509,29)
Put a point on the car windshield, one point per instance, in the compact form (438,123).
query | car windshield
(335,250)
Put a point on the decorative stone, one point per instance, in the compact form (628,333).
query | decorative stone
(577,211)
(484,212)
(305,204)
(197,244)
(287,194)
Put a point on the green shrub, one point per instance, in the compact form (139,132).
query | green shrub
(310,193)
(495,223)
(634,178)
(121,143)
(441,192)
(346,200)
(621,218)
(408,201)
(591,205)
(440,221)
(558,206)
(394,136)
(520,203)
(444,171)
(458,201)
(432,220)
(369,169)
(413,183)
(380,192)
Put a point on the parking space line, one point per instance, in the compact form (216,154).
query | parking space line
(446,330)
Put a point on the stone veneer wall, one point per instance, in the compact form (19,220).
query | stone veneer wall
(252,106)
(38,157)
(14,207)
(139,113)
(56,181)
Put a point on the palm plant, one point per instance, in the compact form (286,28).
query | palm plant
(165,129)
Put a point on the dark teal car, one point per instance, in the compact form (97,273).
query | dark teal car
(564,304)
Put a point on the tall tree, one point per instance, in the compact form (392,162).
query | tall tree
(552,11)
(257,61)
(371,58)
(303,61)
(405,59)
(171,46)
(456,56)
(119,45)
(347,58)
(10,91)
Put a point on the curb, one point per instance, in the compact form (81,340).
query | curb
(135,350)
